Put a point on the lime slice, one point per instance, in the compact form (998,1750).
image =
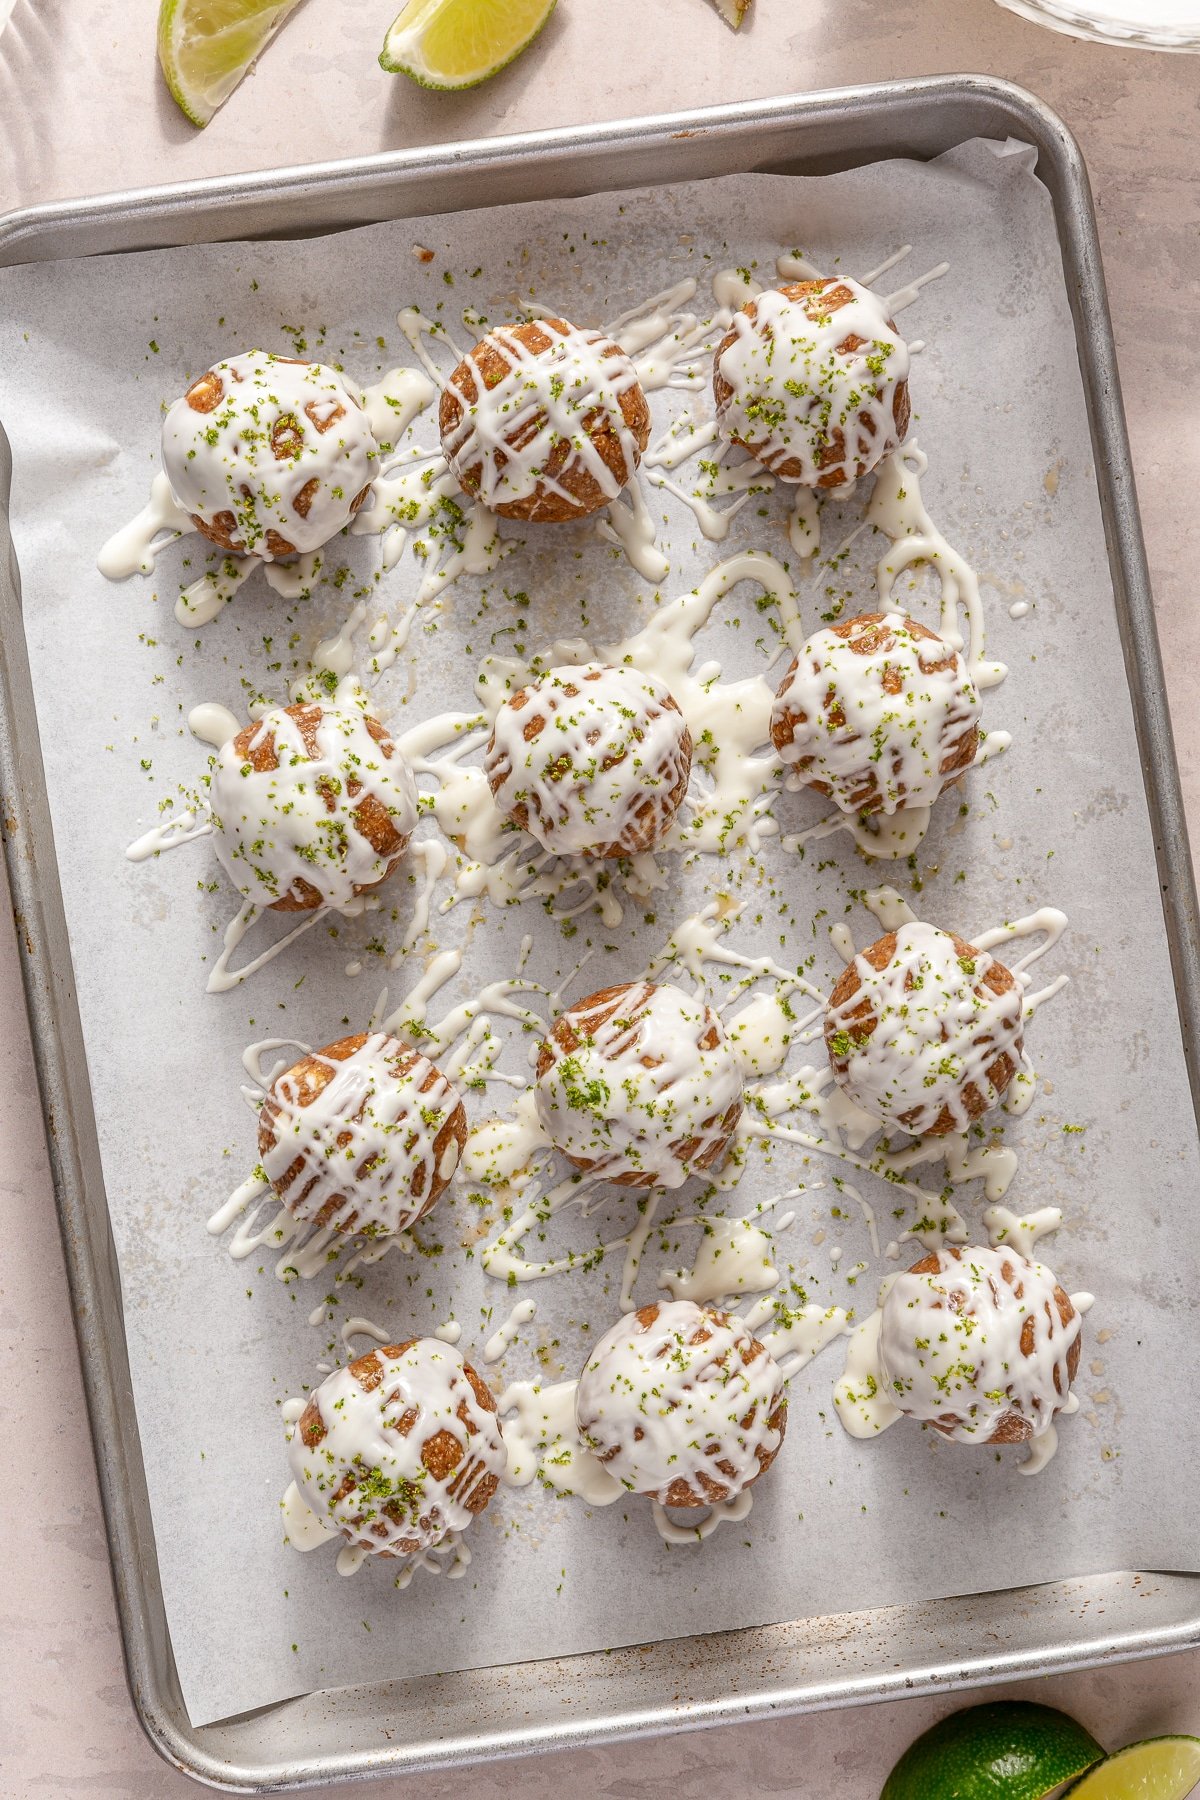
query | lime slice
(459,43)
(1007,1750)
(206,46)
(1165,1768)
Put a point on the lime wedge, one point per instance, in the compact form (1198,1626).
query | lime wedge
(206,46)
(1165,1768)
(732,11)
(1006,1750)
(459,43)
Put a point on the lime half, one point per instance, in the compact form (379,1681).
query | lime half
(1006,1750)
(206,46)
(1165,1768)
(459,43)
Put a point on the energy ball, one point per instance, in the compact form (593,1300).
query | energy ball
(924,1031)
(544,421)
(640,1084)
(311,806)
(592,760)
(879,713)
(981,1344)
(270,455)
(399,1448)
(681,1403)
(812,380)
(363,1135)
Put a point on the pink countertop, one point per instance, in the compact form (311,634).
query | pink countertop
(81,110)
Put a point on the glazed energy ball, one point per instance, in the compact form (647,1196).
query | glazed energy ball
(544,421)
(925,1031)
(363,1135)
(311,806)
(680,1402)
(269,454)
(639,1083)
(983,1344)
(594,761)
(400,1448)
(812,380)
(879,713)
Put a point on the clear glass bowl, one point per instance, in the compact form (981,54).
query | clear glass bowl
(1145,24)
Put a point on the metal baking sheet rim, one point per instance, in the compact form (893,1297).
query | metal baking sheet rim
(448,1720)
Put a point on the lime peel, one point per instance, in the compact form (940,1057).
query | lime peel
(206,46)
(1002,1750)
(449,44)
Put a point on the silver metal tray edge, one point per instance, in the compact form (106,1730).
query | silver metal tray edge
(452,1720)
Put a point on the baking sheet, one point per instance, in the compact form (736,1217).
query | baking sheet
(216,1346)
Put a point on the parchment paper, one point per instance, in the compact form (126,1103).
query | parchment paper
(90,352)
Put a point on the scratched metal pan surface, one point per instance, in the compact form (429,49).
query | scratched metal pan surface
(404,1726)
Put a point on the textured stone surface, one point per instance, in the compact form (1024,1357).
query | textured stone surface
(66,1725)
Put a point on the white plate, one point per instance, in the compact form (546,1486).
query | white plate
(1149,24)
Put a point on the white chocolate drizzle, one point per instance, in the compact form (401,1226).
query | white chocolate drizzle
(284,448)
(205,598)
(948,1347)
(682,1397)
(178,828)
(850,728)
(506,1154)
(939,1029)
(733,1258)
(896,508)
(859,1395)
(507,432)
(1020,1232)
(949,1343)
(134,549)
(275,826)
(369,1479)
(797,1334)
(465,1047)
(594,755)
(222,977)
(505,1336)
(336,456)
(668,343)
(629,524)
(543,1443)
(367,1148)
(643,1094)
(725,1512)
(213,724)
(359,1327)
(304,1529)
(796,395)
